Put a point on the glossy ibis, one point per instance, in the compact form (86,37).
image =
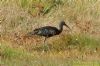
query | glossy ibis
(48,31)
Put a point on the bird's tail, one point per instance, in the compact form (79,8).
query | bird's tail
(30,34)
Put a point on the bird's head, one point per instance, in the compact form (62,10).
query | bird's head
(63,23)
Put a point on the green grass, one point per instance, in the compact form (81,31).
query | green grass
(71,52)
(62,43)
(12,57)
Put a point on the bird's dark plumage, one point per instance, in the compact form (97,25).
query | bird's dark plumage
(48,31)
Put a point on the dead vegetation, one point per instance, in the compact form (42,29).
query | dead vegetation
(18,17)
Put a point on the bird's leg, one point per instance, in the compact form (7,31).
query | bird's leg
(47,48)
(45,39)
(44,45)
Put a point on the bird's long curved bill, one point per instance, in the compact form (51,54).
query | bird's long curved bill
(68,27)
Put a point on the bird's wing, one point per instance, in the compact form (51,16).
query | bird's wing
(46,31)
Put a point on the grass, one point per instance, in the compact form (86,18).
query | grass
(68,41)
(80,47)
(11,57)
(83,51)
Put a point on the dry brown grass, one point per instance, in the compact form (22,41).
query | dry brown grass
(16,21)
(18,17)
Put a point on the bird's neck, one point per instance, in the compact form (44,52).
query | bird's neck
(60,28)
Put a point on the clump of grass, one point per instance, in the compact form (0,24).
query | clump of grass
(14,56)
(66,42)
(9,53)
(83,42)
(11,57)
(24,3)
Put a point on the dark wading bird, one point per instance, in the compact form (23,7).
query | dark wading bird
(48,31)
